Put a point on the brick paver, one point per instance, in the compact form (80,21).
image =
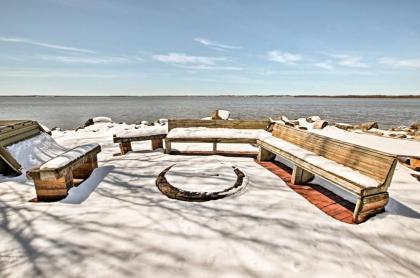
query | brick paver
(327,201)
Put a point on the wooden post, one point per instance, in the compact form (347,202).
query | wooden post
(125,147)
(369,205)
(415,163)
(84,170)
(265,155)
(168,147)
(53,189)
(157,143)
(214,147)
(301,176)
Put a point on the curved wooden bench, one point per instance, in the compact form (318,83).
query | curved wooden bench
(55,177)
(363,172)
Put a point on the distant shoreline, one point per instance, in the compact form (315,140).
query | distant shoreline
(294,96)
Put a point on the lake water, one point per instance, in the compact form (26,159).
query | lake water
(71,112)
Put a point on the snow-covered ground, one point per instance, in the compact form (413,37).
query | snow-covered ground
(117,224)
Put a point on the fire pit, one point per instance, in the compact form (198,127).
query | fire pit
(200,183)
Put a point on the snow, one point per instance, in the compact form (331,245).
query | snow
(69,156)
(118,224)
(321,162)
(102,120)
(213,176)
(35,151)
(144,131)
(389,145)
(223,114)
(204,132)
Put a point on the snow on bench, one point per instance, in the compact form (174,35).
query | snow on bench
(53,178)
(363,172)
(215,131)
(222,133)
(68,157)
(154,133)
(321,162)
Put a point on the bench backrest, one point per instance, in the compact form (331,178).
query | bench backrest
(11,132)
(237,124)
(374,164)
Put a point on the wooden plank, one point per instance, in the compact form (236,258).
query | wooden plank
(156,143)
(237,124)
(125,147)
(213,140)
(8,163)
(11,136)
(265,155)
(301,176)
(369,205)
(138,138)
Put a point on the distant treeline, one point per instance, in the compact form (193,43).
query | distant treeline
(361,96)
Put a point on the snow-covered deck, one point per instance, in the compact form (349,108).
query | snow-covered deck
(117,223)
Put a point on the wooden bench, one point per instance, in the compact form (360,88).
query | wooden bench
(213,130)
(155,135)
(55,177)
(363,172)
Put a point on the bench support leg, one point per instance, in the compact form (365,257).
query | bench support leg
(369,205)
(215,148)
(85,169)
(301,176)
(53,189)
(157,143)
(125,147)
(168,147)
(265,155)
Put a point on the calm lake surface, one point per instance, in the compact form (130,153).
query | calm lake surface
(71,112)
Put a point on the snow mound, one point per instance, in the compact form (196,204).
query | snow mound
(102,120)
(35,151)
(143,131)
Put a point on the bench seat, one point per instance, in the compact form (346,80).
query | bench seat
(219,133)
(56,176)
(323,164)
(156,134)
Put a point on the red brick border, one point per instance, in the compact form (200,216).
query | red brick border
(327,201)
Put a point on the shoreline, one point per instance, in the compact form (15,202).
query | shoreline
(229,95)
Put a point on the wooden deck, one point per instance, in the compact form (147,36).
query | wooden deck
(328,202)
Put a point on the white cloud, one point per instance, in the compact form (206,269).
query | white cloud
(400,63)
(284,57)
(351,61)
(44,44)
(328,65)
(179,58)
(196,62)
(216,45)
(98,60)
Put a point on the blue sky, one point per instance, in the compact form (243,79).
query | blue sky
(121,47)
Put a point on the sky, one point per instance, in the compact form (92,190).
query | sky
(209,47)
